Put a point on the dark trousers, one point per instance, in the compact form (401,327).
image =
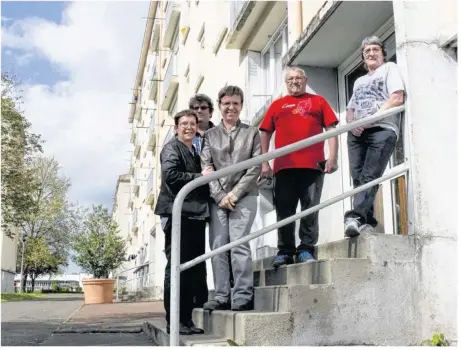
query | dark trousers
(369,154)
(292,186)
(193,286)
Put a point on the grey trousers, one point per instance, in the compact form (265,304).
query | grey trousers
(227,226)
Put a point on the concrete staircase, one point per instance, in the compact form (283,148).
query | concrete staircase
(360,292)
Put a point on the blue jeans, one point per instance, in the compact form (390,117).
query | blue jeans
(369,154)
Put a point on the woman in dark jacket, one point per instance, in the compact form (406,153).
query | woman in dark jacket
(180,165)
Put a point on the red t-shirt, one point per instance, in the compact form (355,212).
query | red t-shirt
(295,118)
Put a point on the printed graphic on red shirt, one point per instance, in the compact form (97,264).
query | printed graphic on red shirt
(303,108)
(295,119)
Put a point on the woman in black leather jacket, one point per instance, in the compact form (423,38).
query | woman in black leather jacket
(181,164)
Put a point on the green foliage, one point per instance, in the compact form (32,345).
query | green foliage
(50,227)
(20,296)
(99,249)
(55,286)
(438,339)
(40,259)
(19,146)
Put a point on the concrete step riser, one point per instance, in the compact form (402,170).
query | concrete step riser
(376,247)
(340,273)
(247,328)
(317,272)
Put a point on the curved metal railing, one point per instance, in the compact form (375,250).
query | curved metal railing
(176,267)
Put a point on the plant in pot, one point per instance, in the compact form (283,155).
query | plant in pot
(98,249)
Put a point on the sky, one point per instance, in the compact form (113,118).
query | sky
(77,63)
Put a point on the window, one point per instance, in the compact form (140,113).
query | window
(270,69)
(201,36)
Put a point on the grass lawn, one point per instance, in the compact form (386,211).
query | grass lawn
(21,296)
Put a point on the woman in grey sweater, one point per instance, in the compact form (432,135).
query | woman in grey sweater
(234,201)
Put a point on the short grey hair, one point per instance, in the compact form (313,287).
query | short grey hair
(295,69)
(373,40)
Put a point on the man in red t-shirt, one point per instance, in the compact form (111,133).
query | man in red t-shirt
(295,117)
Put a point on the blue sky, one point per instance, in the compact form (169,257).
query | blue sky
(77,72)
(41,71)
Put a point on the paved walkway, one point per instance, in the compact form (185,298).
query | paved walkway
(66,321)
(29,322)
(118,324)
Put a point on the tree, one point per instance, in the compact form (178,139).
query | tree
(41,260)
(99,249)
(19,146)
(53,222)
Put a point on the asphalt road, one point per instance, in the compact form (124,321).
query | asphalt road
(30,322)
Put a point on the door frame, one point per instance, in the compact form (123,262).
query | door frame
(349,65)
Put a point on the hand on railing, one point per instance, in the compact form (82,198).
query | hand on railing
(207,170)
(266,170)
(331,165)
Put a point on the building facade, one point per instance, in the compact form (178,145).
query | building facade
(9,249)
(199,46)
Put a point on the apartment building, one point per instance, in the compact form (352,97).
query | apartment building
(121,214)
(199,46)
(9,249)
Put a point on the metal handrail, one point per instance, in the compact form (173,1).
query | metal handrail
(176,267)
(126,270)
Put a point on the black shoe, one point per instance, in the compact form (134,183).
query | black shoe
(242,305)
(216,305)
(183,329)
(194,329)
(281,260)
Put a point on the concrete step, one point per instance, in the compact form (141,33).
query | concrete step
(312,272)
(281,298)
(156,331)
(249,328)
(376,247)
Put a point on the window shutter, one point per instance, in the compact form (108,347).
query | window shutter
(253,97)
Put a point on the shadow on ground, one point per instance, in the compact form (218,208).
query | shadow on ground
(26,333)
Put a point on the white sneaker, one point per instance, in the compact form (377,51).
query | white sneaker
(367,228)
(352,227)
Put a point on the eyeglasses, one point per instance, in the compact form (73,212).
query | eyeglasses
(186,125)
(228,104)
(295,79)
(203,108)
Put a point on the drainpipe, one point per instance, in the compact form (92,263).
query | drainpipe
(295,21)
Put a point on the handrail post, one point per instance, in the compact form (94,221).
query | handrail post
(175,262)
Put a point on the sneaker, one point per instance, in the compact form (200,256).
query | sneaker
(216,305)
(352,227)
(281,260)
(367,228)
(183,329)
(305,256)
(242,305)
(193,328)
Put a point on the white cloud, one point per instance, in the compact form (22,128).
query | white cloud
(84,119)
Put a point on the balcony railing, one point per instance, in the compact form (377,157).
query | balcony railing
(170,82)
(172,14)
(154,81)
(150,188)
(171,71)
(152,139)
(135,216)
(235,8)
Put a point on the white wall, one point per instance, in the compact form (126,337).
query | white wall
(9,256)
(431,75)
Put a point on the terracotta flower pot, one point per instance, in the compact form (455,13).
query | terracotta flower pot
(98,291)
